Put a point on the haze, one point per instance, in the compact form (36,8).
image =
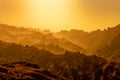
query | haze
(57,15)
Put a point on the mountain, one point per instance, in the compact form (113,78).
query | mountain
(112,50)
(90,41)
(70,65)
(11,52)
(31,37)
(43,56)
(57,45)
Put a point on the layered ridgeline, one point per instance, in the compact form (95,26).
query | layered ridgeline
(90,41)
(104,43)
(28,62)
(30,37)
(96,42)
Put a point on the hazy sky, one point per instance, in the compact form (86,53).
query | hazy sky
(61,14)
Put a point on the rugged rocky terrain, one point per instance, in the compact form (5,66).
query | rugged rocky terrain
(25,71)
(30,54)
(70,65)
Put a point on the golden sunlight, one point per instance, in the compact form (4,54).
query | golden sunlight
(52,13)
(57,15)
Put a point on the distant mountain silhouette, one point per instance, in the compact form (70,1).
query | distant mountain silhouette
(70,65)
(95,42)
(90,41)
(31,37)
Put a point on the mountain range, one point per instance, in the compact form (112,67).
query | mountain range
(66,55)
(30,37)
(104,43)
(90,40)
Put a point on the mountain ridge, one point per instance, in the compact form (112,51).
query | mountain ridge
(25,36)
(90,41)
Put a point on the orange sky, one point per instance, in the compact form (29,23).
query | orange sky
(61,14)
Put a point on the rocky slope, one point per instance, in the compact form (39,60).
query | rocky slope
(71,65)
(25,71)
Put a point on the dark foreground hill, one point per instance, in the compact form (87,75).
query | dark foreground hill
(28,71)
(25,71)
(71,65)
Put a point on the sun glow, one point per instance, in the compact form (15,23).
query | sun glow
(48,8)
(51,13)
(51,4)
(59,15)
(55,14)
